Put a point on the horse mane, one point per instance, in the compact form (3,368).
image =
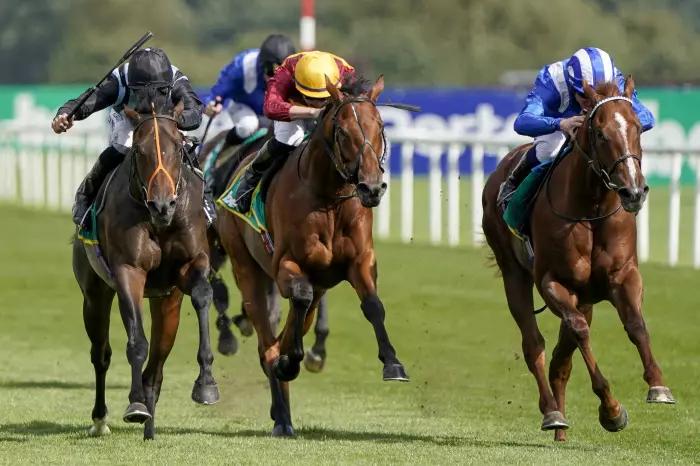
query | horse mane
(607,89)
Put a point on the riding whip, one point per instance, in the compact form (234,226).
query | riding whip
(124,58)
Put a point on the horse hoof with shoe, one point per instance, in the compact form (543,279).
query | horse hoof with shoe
(137,413)
(660,395)
(283,430)
(615,424)
(554,420)
(313,361)
(205,394)
(395,372)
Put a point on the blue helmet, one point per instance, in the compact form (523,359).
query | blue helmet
(591,64)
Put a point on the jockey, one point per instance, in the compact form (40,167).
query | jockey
(243,83)
(295,97)
(553,108)
(148,77)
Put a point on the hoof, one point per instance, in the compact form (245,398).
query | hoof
(244,325)
(284,369)
(205,394)
(554,420)
(137,412)
(660,394)
(615,424)
(283,430)
(228,345)
(99,428)
(313,361)
(395,372)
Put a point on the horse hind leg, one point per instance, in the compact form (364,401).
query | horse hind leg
(315,357)
(518,286)
(96,310)
(165,319)
(560,367)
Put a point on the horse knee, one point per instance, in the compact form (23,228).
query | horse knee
(373,309)
(136,351)
(202,295)
(302,293)
(578,326)
(101,356)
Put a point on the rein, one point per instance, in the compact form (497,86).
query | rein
(598,168)
(146,187)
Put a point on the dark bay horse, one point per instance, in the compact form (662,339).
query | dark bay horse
(319,213)
(584,237)
(222,174)
(153,235)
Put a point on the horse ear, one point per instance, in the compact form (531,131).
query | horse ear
(179,108)
(629,87)
(590,93)
(132,115)
(333,90)
(377,88)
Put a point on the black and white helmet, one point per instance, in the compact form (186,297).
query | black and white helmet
(149,77)
(274,49)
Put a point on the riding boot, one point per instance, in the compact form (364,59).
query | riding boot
(527,162)
(108,160)
(263,160)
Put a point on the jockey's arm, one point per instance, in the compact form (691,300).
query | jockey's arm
(105,95)
(646,118)
(532,120)
(191,116)
(225,85)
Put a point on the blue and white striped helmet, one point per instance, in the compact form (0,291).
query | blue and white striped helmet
(591,64)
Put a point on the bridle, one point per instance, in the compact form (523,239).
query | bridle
(334,148)
(145,187)
(594,163)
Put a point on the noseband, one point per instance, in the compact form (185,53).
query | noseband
(596,165)
(146,186)
(334,148)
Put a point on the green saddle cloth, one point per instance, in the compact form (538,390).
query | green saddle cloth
(211,159)
(519,208)
(255,217)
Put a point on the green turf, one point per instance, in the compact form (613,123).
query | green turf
(470,400)
(658,208)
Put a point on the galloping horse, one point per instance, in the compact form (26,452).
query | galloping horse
(319,213)
(584,242)
(153,235)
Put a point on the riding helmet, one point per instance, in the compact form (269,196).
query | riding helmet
(273,51)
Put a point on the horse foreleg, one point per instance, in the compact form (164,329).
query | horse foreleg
(363,277)
(165,318)
(130,284)
(316,356)
(560,367)
(611,414)
(627,299)
(193,281)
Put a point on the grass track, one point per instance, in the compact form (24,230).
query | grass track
(471,398)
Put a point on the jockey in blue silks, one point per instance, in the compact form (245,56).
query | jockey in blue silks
(242,82)
(553,108)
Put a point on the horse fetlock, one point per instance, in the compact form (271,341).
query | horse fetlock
(286,369)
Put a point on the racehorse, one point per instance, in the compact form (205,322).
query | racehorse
(584,242)
(319,213)
(221,174)
(153,236)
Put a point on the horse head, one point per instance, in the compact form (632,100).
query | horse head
(354,134)
(157,158)
(613,132)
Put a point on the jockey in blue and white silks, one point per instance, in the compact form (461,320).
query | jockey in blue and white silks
(241,86)
(553,110)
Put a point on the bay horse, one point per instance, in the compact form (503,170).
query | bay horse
(584,240)
(318,209)
(222,173)
(152,231)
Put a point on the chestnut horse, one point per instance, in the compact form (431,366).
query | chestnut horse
(584,240)
(318,209)
(153,236)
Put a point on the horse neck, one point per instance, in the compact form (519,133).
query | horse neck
(318,170)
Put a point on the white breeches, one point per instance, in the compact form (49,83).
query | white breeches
(549,145)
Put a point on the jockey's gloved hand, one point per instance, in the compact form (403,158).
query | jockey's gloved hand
(214,107)
(61,123)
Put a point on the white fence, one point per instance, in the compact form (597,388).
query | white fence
(39,169)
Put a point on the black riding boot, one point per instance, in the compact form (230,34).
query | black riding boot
(526,163)
(263,160)
(108,160)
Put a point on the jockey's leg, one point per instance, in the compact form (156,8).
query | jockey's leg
(109,159)
(245,123)
(288,135)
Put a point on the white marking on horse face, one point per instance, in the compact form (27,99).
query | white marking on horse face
(631,166)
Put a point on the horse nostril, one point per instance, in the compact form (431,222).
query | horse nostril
(646,189)
(384,186)
(172,203)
